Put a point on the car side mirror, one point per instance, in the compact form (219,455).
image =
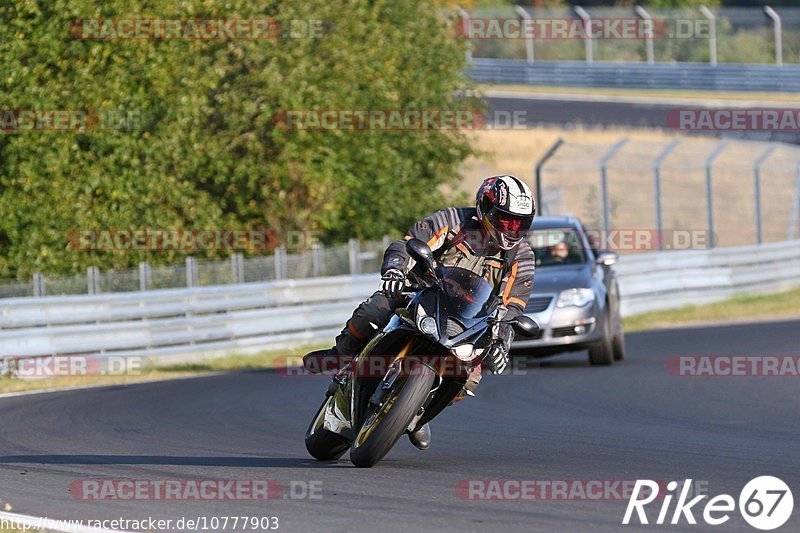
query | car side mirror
(420,252)
(525,325)
(607,258)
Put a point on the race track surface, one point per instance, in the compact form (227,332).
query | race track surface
(560,420)
(570,111)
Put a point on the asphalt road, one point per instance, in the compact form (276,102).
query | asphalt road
(568,111)
(561,420)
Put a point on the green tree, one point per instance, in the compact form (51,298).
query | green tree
(205,150)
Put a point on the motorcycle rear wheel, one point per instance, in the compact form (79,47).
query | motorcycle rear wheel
(322,444)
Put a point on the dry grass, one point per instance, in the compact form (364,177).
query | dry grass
(574,174)
(653,93)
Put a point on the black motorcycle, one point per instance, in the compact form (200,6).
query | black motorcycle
(414,367)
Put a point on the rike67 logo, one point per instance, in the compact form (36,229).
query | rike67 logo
(765,503)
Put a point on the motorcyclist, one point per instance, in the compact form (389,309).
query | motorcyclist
(486,239)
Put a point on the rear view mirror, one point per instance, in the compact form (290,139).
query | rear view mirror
(607,258)
(420,252)
(526,326)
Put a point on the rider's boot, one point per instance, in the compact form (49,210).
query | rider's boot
(421,438)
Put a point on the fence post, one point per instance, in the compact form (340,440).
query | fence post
(776,22)
(280,262)
(757,188)
(38,284)
(318,259)
(642,12)
(794,218)
(657,190)
(464,14)
(191,272)
(537,171)
(237,265)
(523,13)
(145,276)
(587,40)
(712,236)
(354,253)
(712,34)
(604,180)
(93,280)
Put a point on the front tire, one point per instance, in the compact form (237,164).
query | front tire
(382,430)
(322,444)
(602,352)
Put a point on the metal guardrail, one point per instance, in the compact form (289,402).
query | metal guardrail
(252,317)
(695,76)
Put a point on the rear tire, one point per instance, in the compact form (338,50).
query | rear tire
(602,353)
(322,444)
(619,345)
(397,413)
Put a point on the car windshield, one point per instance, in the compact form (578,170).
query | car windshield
(468,294)
(557,246)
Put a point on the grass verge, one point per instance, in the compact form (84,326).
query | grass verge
(784,304)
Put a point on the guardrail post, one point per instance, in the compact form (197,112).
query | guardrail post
(280,262)
(537,171)
(604,181)
(523,13)
(657,189)
(354,254)
(757,188)
(237,265)
(648,38)
(587,40)
(145,276)
(318,259)
(191,272)
(712,237)
(776,22)
(93,280)
(712,34)
(38,284)
(794,218)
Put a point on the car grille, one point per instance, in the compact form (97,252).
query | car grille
(537,304)
(565,331)
(454,328)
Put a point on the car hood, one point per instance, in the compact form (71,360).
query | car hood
(553,279)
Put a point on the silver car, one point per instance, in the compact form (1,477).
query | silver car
(575,295)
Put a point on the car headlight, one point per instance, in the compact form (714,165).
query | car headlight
(575,298)
(428,325)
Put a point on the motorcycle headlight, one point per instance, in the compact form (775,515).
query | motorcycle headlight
(428,325)
(465,352)
(575,298)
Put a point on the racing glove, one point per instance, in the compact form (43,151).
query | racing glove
(392,283)
(496,357)
(497,353)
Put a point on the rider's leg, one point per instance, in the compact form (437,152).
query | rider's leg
(368,318)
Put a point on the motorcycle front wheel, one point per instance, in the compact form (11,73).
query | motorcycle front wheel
(382,429)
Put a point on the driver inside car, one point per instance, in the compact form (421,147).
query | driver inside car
(487,239)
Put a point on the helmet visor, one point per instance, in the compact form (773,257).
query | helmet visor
(510,225)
